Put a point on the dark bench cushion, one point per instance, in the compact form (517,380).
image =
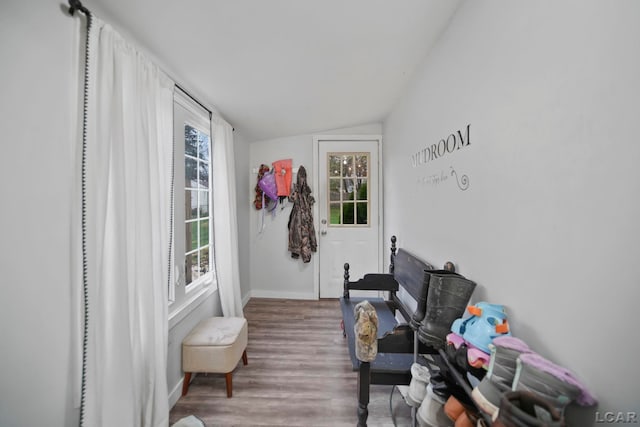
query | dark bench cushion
(387,368)
(385,363)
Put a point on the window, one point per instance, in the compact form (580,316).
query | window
(192,201)
(348,192)
(196,197)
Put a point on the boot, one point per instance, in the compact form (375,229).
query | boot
(453,408)
(431,411)
(465,355)
(556,384)
(418,387)
(502,369)
(418,315)
(464,421)
(526,409)
(446,300)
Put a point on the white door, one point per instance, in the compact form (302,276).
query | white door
(348,209)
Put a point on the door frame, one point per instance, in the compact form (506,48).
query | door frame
(316,208)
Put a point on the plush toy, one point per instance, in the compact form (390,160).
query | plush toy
(366,330)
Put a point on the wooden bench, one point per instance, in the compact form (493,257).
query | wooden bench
(397,345)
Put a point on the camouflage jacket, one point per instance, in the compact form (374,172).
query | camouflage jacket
(302,234)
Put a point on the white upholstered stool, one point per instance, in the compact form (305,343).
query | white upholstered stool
(215,345)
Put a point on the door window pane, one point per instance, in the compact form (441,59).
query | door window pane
(347,213)
(347,166)
(362,168)
(335,165)
(348,189)
(334,213)
(348,181)
(361,190)
(334,190)
(362,212)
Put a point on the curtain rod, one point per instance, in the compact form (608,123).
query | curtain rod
(193,99)
(77,5)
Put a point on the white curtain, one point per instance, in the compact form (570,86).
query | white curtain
(129,166)
(225,218)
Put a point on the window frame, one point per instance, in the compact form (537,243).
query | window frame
(182,296)
(198,219)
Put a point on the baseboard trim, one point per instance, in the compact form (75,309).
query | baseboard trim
(176,393)
(260,293)
(246,298)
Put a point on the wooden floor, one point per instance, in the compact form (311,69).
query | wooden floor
(299,374)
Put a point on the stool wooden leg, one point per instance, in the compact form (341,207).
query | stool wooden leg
(228,377)
(185,383)
(244,357)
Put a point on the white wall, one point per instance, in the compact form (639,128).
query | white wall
(549,223)
(38,47)
(210,306)
(273,273)
(242,164)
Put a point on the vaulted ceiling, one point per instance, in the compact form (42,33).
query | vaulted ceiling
(284,67)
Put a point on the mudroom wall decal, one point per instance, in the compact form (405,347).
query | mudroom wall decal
(444,148)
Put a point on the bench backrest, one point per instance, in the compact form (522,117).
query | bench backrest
(406,276)
(408,270)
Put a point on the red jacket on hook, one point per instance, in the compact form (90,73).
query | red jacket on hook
(283,172)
